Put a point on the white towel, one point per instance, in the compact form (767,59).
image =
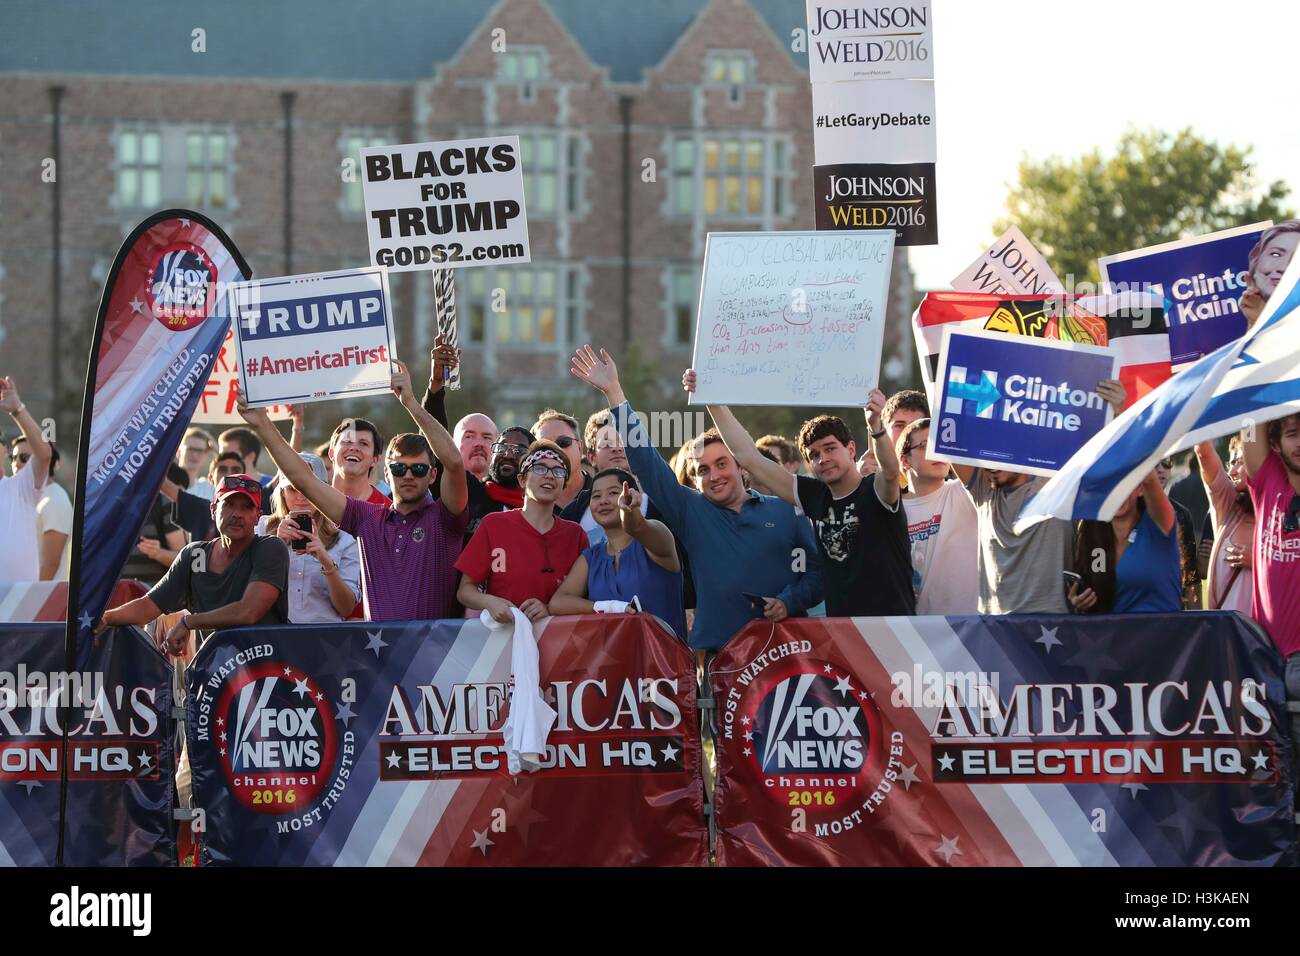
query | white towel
(531,718)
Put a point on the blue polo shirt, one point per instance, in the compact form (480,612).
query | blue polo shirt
(752,550)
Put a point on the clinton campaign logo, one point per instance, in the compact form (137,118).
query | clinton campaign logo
(182,288)
(976,397)
(275,737)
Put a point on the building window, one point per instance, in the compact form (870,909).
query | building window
(734,175)
(207,173)
(525,66)
(683,301)
(524,306)
(139,168)
(725,69)
(540,153)
(353,143)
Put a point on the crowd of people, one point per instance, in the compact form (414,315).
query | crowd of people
(561,518)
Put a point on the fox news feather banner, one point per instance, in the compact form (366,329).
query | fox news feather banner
(161,323)
(118,755)
(381,745)
(1004,741)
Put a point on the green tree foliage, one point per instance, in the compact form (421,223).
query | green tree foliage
(1156,187)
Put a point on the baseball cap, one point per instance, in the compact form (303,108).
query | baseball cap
(315,462)
(240,485)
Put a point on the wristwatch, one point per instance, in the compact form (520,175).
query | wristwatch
(332,570)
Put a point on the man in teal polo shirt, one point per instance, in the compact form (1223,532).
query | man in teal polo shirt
(738,542)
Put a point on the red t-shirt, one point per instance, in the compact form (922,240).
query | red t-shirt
(507,555)
(377,497)
(1277,556)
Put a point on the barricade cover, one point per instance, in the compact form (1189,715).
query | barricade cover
(121,762)
(381,745)
(1118,740)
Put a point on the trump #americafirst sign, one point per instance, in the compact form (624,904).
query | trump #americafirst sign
(1016,403)
(313,337)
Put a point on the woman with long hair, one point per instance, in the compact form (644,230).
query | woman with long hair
(324,561)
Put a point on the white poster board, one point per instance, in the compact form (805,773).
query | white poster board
(878,121)
(310,338)
(791,318)
(869,42)
(217,403)
(1011,266)
(455,204)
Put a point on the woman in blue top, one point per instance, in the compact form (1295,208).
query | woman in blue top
(637,559)
(1131,563)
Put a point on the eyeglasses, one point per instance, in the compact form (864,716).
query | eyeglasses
(508,448)
(400,468)
(549,471)
(236,483)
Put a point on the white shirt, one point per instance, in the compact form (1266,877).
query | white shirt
(203,489)
(309,590)
(19,496)
(943,527)
(54,513)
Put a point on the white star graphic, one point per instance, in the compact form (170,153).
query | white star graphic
(669,752)
(300,688)
(374,642)
(1048,638)
(137,306)
(223,735)
(288,672)
(842,685)
(827,668)
(144,760)
(945,762)
(223,751)
(344,713)
(1261,760)
(747,752)
(909,777)
(863,695)
(1133,788)
(749,735)
(481,841)
(319,695)
(85,621)
(948,848)
(745,721)
(394,759)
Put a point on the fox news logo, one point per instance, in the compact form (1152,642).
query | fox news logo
(182,288)
(806,726)
(275,737)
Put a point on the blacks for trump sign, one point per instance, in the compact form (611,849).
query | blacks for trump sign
(450,204)
(898,196)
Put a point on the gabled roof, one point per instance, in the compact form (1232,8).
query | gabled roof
(396,41)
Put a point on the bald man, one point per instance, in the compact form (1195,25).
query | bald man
(475,435)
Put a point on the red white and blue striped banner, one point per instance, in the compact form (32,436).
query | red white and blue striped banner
(381,745)
(162,319)
(1126,740)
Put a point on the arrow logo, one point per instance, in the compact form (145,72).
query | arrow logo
(984,393)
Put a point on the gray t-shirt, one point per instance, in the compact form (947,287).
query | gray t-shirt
(1019,573)
(266,559)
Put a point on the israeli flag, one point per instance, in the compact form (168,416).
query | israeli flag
(1243,384)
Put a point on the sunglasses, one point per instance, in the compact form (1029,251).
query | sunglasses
(1292,522)
(235,483)
(399,469)
(564,441)
(1167,463)
(21,456)
(549,471)
(507,448)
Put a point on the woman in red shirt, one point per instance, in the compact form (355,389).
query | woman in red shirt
(519,558)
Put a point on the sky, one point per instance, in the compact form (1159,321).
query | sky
(1017,79)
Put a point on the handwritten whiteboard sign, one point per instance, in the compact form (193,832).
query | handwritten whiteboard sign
(791,318)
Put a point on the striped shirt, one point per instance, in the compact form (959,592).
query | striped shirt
(408,561)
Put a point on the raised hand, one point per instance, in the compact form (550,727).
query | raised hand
(401,382)
(1113,391)
(9,400)
(688,380)
(629,508)
(598,371)
(254,416)
(443,358)
(875,405)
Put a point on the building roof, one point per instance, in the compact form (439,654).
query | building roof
(397,41)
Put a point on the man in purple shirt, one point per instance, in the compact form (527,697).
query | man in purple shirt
(409,545)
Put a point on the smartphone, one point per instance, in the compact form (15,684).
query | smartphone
(1072,578)
(757,600)
(303,521)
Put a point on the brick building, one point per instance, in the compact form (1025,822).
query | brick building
(644,126)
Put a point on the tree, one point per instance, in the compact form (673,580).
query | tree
(1157,187)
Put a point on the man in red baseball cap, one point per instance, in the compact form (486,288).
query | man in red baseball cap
(235,580)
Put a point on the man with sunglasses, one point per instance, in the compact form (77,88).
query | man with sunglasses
(555,426)
(409,545)
(194,512)
(20,495)
(1272,455)
(237,579)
